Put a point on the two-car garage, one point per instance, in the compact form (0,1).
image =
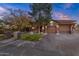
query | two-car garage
(61,26)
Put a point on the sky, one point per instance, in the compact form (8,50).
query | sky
(65,11)
(60,11)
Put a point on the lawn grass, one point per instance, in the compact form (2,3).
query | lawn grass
(30,37)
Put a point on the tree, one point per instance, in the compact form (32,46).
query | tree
(18,19)
(2,26)
(41,13)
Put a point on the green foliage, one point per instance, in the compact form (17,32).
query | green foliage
(41,13)
(41,10)
(1,31)
(2,36)
(30,37)
(18,19)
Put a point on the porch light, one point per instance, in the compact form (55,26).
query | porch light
(33,27)
(51,23)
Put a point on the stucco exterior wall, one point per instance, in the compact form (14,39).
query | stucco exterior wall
(61,28)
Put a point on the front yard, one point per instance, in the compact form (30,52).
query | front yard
(21,36)
(30,37)
(50,45)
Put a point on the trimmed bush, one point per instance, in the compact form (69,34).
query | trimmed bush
(30,37)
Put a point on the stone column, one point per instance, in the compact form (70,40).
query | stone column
(75,27)
(72,28)
(42,30)
(33,30)
(57,29)
(16,34)
(45,29)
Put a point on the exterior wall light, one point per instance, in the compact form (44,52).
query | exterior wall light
(51,23)
(33,27)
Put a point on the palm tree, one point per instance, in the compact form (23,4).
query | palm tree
(41,13)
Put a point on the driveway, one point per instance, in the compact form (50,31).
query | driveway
(66,44)
(49,45)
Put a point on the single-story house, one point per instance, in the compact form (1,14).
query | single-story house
(61,26)
(56,26)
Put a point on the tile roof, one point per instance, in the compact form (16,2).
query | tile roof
(65,21)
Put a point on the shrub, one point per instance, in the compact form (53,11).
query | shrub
(29,37)
(2,36)
(8,34)
(1,31)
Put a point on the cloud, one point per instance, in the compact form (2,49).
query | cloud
(67,5)
(60,16)
(3,12)
(2,9)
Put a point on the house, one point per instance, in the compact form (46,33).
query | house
(61,26)
(57,26)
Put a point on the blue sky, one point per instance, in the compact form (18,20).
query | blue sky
(60,11)
(67,11)
(16,6)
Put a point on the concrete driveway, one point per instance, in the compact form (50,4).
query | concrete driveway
(66,44)
(49,45)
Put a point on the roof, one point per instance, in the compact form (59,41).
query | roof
(65,21)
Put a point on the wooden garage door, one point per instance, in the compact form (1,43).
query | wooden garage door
(64,28)
(51,29)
